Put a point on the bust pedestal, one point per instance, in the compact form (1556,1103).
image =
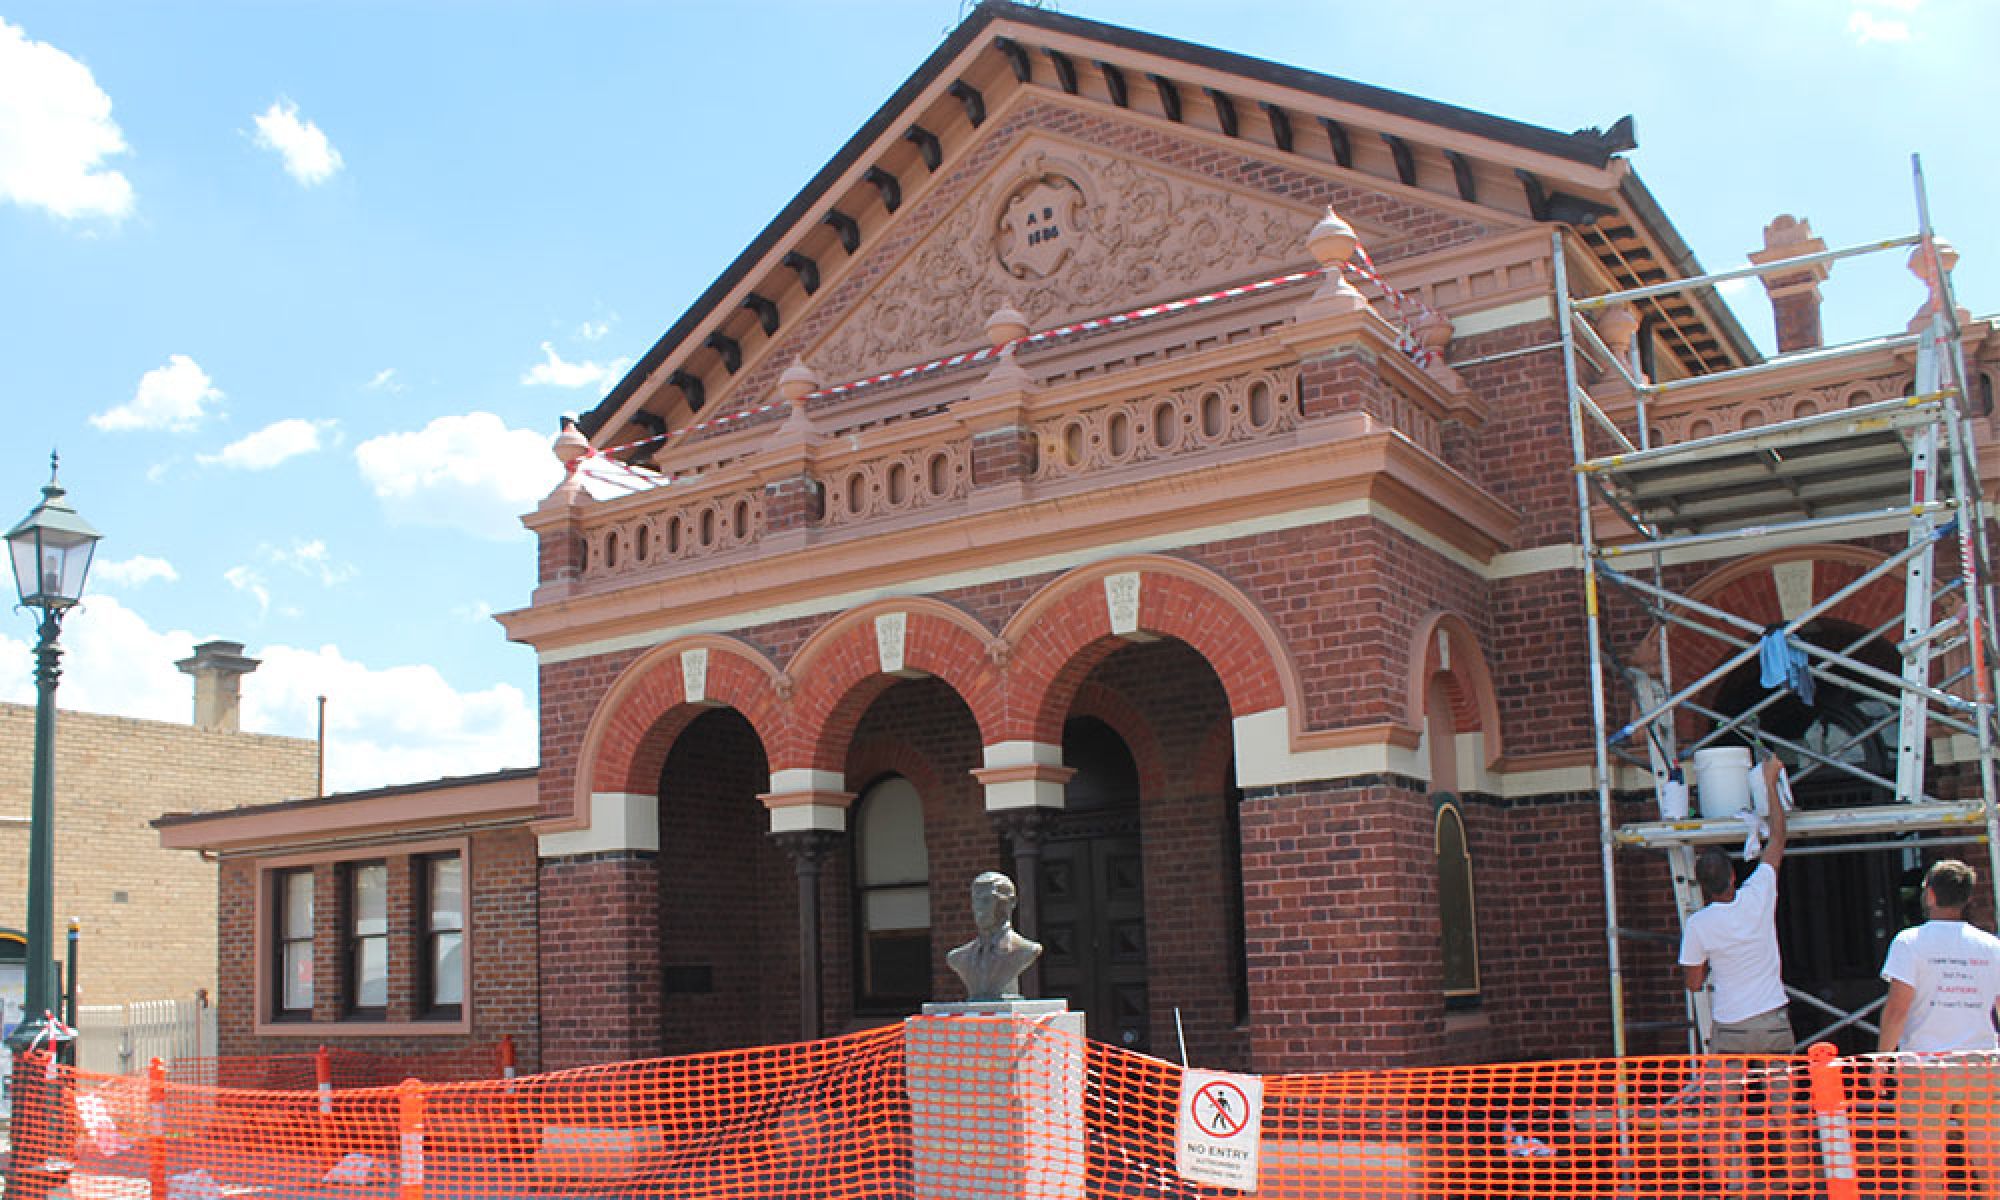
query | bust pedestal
(996,1100)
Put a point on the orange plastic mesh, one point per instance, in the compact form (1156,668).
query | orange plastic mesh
(1027,1112)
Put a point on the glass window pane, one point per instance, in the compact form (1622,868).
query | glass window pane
(896,908)
(447,897)
(297,900)
(371,900)
(371,973)
(298,981)
(447,970)
(891,835)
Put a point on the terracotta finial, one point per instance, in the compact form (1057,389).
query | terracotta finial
(1005,325)
(1616,325)
(570,444)
(1920,266)
(1794,293)
(1332,243)
(797,382)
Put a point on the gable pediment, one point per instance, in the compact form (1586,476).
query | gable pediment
(858,273)
(1061,232)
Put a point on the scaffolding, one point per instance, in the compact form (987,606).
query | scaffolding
(1900,472)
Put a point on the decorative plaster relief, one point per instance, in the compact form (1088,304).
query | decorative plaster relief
(899,482)
(1062,232)
(691,529)
(1794,581)
(1121,595)
(890,630)
(694,674)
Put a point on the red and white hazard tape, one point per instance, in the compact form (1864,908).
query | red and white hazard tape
(1405,305)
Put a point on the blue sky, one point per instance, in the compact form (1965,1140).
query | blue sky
(301,289)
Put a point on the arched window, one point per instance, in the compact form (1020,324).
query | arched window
(1456,911)
(892,901)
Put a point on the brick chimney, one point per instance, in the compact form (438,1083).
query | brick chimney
(1794,294)
(218,669)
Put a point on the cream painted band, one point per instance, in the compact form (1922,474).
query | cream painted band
(808,818)
(618,821)
(1018,794)
(1265,758)
(805,779)
(1506,316)
(1023,754)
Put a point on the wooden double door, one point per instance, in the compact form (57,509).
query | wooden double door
(1092,914)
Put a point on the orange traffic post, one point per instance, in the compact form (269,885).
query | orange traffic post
(1836,1135)
(156,1128)
(507,1056)
(323,1080)
(410,1114)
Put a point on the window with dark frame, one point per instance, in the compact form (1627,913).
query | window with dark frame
(292,896)
(368,939)
(441,986)
(892,908)
(1457,912)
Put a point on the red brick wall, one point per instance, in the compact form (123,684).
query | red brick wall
(600,948)
(505,972)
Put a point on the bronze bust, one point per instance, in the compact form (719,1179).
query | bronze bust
(990,965)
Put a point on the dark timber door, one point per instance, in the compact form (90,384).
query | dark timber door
(1093,917)
(1093,890)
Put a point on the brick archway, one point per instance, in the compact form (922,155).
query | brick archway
(1065,630)
(1467,682)
(647,707)
(1749,589)
(838,674)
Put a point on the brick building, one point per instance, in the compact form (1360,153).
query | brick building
(397,920)
(148,914)
(1246,633)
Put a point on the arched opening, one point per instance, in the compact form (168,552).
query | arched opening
(919,834)
(1837,912)
(727,903)
(892,899)
(1458,917)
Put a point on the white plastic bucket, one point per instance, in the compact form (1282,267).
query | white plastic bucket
(1722,780)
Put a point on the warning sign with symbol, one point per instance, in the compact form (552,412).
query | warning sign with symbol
(1220,1118)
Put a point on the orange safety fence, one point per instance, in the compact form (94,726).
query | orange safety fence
(340,1067)
(1024,1110)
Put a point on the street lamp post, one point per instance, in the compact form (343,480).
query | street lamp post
(51,550)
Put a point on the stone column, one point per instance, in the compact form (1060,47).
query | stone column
(808,849)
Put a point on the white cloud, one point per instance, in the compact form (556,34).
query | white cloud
(310,558)
(271,445)
(398,724)
(133,572)
(55,133)
(591,331)
(174,397)
(385,381)
(471,473)
(309,157)
(1868,27)
(249,580)
(552,371)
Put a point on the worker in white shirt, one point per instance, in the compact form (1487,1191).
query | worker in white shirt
(1731,945)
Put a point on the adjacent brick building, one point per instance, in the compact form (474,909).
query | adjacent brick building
(147,913)
(1246,632)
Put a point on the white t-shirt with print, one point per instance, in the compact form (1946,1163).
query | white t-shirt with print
(1739,942)
(1954,969)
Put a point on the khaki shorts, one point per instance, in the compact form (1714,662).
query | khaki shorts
(1765,1033)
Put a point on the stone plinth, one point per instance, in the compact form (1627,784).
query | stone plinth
(996,1100)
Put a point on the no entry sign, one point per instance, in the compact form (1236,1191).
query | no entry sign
(1221,1116)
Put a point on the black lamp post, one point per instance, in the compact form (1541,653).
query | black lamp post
(51,549)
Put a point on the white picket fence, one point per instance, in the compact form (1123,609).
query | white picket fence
(120,1039)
